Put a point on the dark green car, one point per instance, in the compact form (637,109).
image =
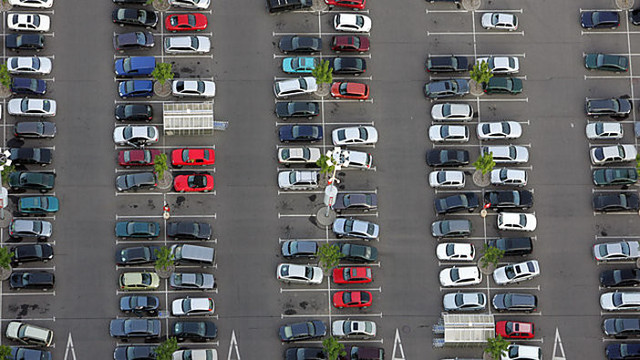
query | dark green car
(137,229)
(38,205)
(25,180)
(615,176)
(606,62)
(503,85)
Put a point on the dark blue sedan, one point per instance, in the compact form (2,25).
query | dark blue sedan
(135,88)
(28,86)
(299,133)
(600,19)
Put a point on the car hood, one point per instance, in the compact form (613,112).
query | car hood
(116,327)
(606,301)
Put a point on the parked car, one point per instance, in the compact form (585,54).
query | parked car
(353,159)
(522,352)
(137,255)
(31,107)
(193,183)
(35,229)
(38,4)
(34,65)
(192,281)
(136,181)
(455,251)
(298,155)
(292,249)
(619,250)
(452,179)
(515,273)
(192,157)
(515,302)
(450,228)
(508,177)
(30,156)
(606,62)
(28,334)
(288,109)
(503,85)
(352,23)
(351,227)
(447,158)
(621,328)
(298,65)
(620,277)
(460,276)
(135,328)
(610,202)
(350,43)
(38,205)
(31,253)
(139,281)
(451,112)
(448,133)
(303,353)
(27,86)
(352,4)
(302,274)
(509,199)
(353,329)
(622,351)
(17,42)
(194,330)
(507,154)
(501,65)
(515,329)
(456,203)
(352,275)
(620,301)
(138,157)
(135,135)
(604,130)
(358,253)
(42,280)
(134,352)
(348,65)
(135,66)
(293,87)
(189,230)
(192,307)
(300,133)
(298,180)
(464,301)
(516,221)
(518,246)
(352,299)
(135,17)
(447,64)
(499,21)
(187,44)
(603,155)
(619,107)
(300,44)
(29,180)
(185,22)
(140,305)
(135,88)
(193,88)
(133,41)
(350,90)
(195,354)
(306,330)
(354,135)
(362,352)
(18,353)
(34,129)
(499,130)
(134,112)
(191,4)
(355,201)
(599,19)
(438,89)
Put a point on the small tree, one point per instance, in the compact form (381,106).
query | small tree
(485,163)
(160,165)
(496,347)
(162,72)
(323,73)
(5,77)
(491,256)
(332,348)
(165,350)
(325,168)
(164,259)
(638,163)
(5,352)
(328,257)
(6,172)
(481,73)
(5,261)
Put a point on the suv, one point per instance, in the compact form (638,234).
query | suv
(298,180)
(447,64)
(29,334)
(519,246)
(42,280)
(34,129)
(451,228)
(614,107)
(40,229)
(24,42)
(515,302)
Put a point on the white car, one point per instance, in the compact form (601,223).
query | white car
(35,65)
(508,177)
(192,306)
(187,44)
(604,130)
(205,354)
(361,329)
(507,154)
(620,300)
(298,86)
(449,133)
(355,159)
(515,273)
(452,179)
(460,276)
(620,250)
(28,22)
(39,4)
(191,4)
(193,88)
(451,112)
(601,155)
(352,23)
(500,21)
(32,107)
(298,155)
(135,135)
(455,252)
(302,274)
(464,301)
(516,221)
(501,65)
(522,352)
(354,135)
(499,130)
(298,180)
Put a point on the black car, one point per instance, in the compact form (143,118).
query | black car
(614,107)
(298,133)
(304,353)
(623,351)
(135,352)
(34,129)
(634,15)
(38,156)
(600,19)
(507,199)
(447,158)
(140,304)
(133,40)
(27,86)
(620,277)
(31,280)
(455,203)
(358,253)
(292,249)
(362,352)
(24,42)
(189,230)
(135,181)
(30,253)
(615,176)
(289,109)
(621,328)
(519,246)
(136,17)
(356,201)
(306,330)
(20,353)
(348,65)
(137,255)
(30,180)
(194,330)
(300,44)
(134,112)
(515,302)
(125,329)
(610,202)
(447,64)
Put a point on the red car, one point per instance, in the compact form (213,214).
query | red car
(353,4)
(350,43)
(193,183)
(350,90)
(514,329)
(352,275)
(128,158)
(185,22)
(347,299)
(191,157)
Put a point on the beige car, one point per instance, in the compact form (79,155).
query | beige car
(29,334)
(298,155)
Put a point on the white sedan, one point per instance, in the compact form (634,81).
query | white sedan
(298,155)
(499,130)
(501,64)
(35,65)
(515,273)
(355,135)
(135,135)
(601,155)
(620,250)
(451,112)
(191,4)
(604,130)
(193,88)
(361,329)
(460,276)
(196,354)
(522,352)
(517,221)
(187,44)
(302,274)
(452,179)
(192,306)
(512,154)
(455,252)
(39,4)
(499,21)
(448,133)
(28,22)
(32,107)
(352,23)
(508,177)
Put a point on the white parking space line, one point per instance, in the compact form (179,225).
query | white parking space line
(444,77)
(617,237)
(214,216)
(378,289)
(320,56)
(522,55)
(345,341)
(466,33)
(314,33)
(499,288)
(21,293)
(31,319)
(628,213)
(211,193)
(370,123)
(491,99)
(170,169)
(282,316)
(369,214)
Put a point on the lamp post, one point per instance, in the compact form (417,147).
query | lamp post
(326,217)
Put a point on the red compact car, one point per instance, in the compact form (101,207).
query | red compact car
(185,22)
(347,299)
(350,43)
(191,157)
(352,275)
(353,4)
(193,183)
(514,329)
(350,90)
(128,158)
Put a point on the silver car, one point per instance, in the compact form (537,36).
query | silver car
(351,227)
(451,112)
(499,21)
(208,354)
(32,107)
(501,64)
(353,329)
(192,306)
(604,130)
(298,155)
(135,135)
(354,135)
(464,301)
(193,88)
(298,180)
(452,179)
(508,177)
(448,133)
(302,274)
(499,130)
(507,154)
(620,250)
(192,281)
(22,228)
(187,44)
(297,86)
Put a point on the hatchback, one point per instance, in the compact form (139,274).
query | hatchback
(451,112)
(133,40)
(619,107)
(438,89)
(447,64)
(135,88)
(187,44)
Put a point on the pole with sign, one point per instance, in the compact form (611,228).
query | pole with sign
(330,193)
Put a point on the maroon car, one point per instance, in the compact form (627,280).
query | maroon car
(351,43)
(128,158)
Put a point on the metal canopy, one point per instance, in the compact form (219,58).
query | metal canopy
(188,118)
(468,328)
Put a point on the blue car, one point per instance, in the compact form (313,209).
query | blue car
(38,205)
(298,133)
(298,65)
(135,88)
(135,66)
(28,86)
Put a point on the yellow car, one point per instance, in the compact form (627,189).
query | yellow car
(139,281)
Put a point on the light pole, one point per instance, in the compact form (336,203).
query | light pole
(326,217)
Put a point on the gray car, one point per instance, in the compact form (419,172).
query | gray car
(299,249)
(135,181)
(450,228)
(356,201)
(464,301)
(191,281)
(355,228)
(40,229)
(135,328)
